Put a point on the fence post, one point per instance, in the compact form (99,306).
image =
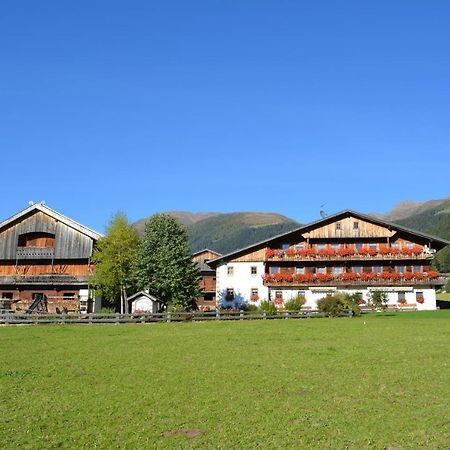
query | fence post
(264,315)
(286,315)
(169,317)
(142,319)
(217,314)
(63,318)
(117,318)
(241,314)
(90,318)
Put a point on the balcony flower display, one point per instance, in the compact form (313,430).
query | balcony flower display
(385,249)
(303,252)
(267,278)
(372,251)
(432,274)
(304,277)
(385,275)
(418,275)
(368,276)
(345,251)
(290,252)
(348,276)
(327,252)
(420,299)
(415,250)
(279,253)
(278,301)
(288,277)
(254,297)
(395,251)
(407,276)
(324,276)
(311,252)
(363,251)
(278,277)
(269,253)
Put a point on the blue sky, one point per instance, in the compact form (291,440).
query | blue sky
(282,106)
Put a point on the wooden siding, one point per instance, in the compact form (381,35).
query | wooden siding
(69,243)
(207,254)
(256,256)
(32,268)
(364,230)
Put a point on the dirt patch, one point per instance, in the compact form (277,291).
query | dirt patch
(188,432)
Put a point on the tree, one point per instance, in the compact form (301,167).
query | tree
(379,300)
(164,265)
(113,258)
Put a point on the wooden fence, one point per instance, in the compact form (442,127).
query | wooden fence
(16,319)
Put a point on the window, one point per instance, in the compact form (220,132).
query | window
(208,297)
(338,225)
(401,297)
(300,269)
(321,269)
(416,269)
(335,245)
(358,245)
(299,247)
(7,295)
(37,295)
(400,269)
(230,271)
(254,294)
(338,270)
(274,270)
(409,245)
(372,245)
(284,246)
(230,294)
(356,269)
(253,270)
(377,269)
(395,245)
(320,246)
(279,294)
(69,296)
(301,293)
(356,225)
(419,297)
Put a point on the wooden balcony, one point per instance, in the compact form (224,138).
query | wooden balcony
(48,279)
(353,257)
(35,253)
(439,281)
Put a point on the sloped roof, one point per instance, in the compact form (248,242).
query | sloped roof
(204,251)
(56,215)
(144,294)
(331,218)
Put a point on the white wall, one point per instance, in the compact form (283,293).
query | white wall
(242,281)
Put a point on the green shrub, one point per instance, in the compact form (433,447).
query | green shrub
(338,305)
(105,311)
(268,307)
(295,304)
(379,300)
(249,307)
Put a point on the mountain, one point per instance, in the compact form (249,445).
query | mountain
(226,232)
(408,208)
(434,220)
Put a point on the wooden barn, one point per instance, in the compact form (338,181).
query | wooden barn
(45,261)
(207,300)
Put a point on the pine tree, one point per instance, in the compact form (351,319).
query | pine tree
(164,265)
(113,258)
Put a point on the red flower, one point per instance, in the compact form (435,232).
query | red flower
(278,277)
(345,251)
(372,251)
(408,276)
(278,301)
(432,274)
(304,277)
(254,298)
(420,299)
(348,276)
(385,249)
(287,277)
(267,278)
(303,252)
(311,252)
(290,252)
(324,276)
(363,251)
(418,275)
(269,253)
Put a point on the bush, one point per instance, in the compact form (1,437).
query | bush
(338,305)
(268,307)
(379,300)
(295,303)
(105,311)
(248,307)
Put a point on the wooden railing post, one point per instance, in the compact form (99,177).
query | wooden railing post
(264,315)
(241,315)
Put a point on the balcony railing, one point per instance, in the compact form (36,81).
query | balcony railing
(35,253)
(288,256)
(338,281)
(44,279)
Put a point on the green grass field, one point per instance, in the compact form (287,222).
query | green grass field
(379,381)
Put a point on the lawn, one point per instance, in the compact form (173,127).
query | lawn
(378,381)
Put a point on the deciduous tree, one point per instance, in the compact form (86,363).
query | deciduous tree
(113,258)
(164,265)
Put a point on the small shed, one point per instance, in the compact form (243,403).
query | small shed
(143,301)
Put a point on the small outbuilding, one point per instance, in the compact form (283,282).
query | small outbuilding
(143,301)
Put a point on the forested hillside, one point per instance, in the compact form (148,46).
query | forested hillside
(435,221)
